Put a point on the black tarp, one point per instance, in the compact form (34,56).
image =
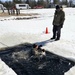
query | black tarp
(20,60)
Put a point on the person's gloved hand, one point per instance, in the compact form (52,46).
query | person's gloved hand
(40,46)
(61,25)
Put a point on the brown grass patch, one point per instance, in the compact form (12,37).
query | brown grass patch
(22,14)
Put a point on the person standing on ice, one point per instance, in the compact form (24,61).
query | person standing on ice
(59,17)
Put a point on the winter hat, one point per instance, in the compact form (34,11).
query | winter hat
(57,7)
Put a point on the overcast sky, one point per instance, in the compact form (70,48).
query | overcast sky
(36,0)
(6,0)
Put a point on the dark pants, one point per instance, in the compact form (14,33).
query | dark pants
(56,32)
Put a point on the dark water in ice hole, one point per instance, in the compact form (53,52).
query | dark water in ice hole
(20,60)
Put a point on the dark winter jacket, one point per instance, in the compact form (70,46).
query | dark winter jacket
(59,18)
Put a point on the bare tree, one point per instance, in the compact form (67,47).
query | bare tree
(17,1)
(56,1)
(70,3)
(65,2)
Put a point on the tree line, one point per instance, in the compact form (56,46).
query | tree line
(32,3)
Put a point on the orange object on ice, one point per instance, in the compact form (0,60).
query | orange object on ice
(46,30)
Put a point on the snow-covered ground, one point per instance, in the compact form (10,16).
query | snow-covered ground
(14,32)
(5,70)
